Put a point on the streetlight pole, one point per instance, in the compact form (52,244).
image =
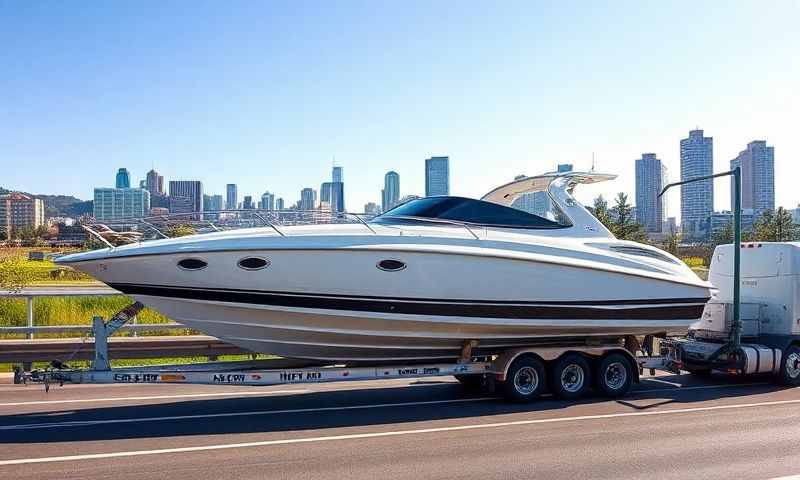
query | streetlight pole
(736,173)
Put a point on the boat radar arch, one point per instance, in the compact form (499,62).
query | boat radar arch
(559,186)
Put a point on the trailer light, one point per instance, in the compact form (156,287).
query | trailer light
(172,378)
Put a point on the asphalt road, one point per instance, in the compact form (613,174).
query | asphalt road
(671,427)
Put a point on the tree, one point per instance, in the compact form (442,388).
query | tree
(775,226)
(624,226)
(181,230)
(671,242)
(600,211)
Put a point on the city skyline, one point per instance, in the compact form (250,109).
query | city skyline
(250,105)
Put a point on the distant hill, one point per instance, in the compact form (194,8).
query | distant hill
(61,205)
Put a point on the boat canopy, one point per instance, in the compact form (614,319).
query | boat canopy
(506,194)
(465,210)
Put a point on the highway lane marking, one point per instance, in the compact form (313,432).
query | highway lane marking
(394,433)
(153,397)
(83,423)
(657,380)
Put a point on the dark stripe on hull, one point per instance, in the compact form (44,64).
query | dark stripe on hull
(450,308)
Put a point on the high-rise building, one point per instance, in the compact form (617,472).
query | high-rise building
(757,162)
(268,201)
(123,178)
(325,192)
(308,199)
(337,197)
(247,203)
(154,183)
(538,203)
(212,203)
(697,199)
(564,167)
(437,176)
(371,208)
(336,175)
(651,176)
(279,203)
(231,197)
(192,189)
(180,204)
(391,191)
(119,203)
(18,210)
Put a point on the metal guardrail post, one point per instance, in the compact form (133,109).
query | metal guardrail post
(29,302)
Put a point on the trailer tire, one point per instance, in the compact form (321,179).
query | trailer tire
(790,367)
(570,377)
(525,380)
(614,376)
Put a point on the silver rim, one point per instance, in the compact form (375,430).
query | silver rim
(793,365)
(526,380)
(572,378)
(615,376)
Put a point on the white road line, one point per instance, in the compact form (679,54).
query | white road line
(154,397)
(699,387)
(395,433)
(84,423)
(674,384)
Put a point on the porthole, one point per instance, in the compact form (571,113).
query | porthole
(253,263)
(192,264)
(391,265)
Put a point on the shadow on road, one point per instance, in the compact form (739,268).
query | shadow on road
(344,408)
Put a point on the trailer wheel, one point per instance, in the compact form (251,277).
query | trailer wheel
(570,377)
(790,367)
(614,376)
(525,380)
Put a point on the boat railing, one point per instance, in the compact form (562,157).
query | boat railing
(116,232)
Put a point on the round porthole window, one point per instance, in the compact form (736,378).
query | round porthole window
(253,263)
(192,264)
(391,265)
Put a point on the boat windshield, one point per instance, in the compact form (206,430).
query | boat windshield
(467,210)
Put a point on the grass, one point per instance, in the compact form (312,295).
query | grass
(143,362)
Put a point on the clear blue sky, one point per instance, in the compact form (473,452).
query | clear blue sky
(264,94)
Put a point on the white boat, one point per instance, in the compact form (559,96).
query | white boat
(414,283)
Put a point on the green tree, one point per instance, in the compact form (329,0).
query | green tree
(600,211)
(672,242)
(180,231)
(775,226)
(624,226)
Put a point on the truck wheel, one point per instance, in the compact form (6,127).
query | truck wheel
(570,377)
(790,367)
(525,380)
(614,376)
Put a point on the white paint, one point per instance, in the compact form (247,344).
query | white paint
(84,423)
(674,384)
(395,433)
(153,397)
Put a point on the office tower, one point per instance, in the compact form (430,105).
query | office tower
(18,210)
(336,175)
(119,203)
(279,203)
(268,201)
(697,199)
(391,191)
(337,197)
(154,183)
(757,162)
(180,204)
(247,203)
(192,189)
(231,197)
(564,167)
(651,176)
(325,192)
(437,176)
(372,209)
(308,199)
(123,178)
(212,203)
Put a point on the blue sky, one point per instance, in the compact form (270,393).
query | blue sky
(264,94)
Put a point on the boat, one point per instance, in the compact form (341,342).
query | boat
(415,283)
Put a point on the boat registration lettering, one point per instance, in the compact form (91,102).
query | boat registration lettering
(300,376)
(419,371)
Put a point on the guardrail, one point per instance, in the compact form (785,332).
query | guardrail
(31,329)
